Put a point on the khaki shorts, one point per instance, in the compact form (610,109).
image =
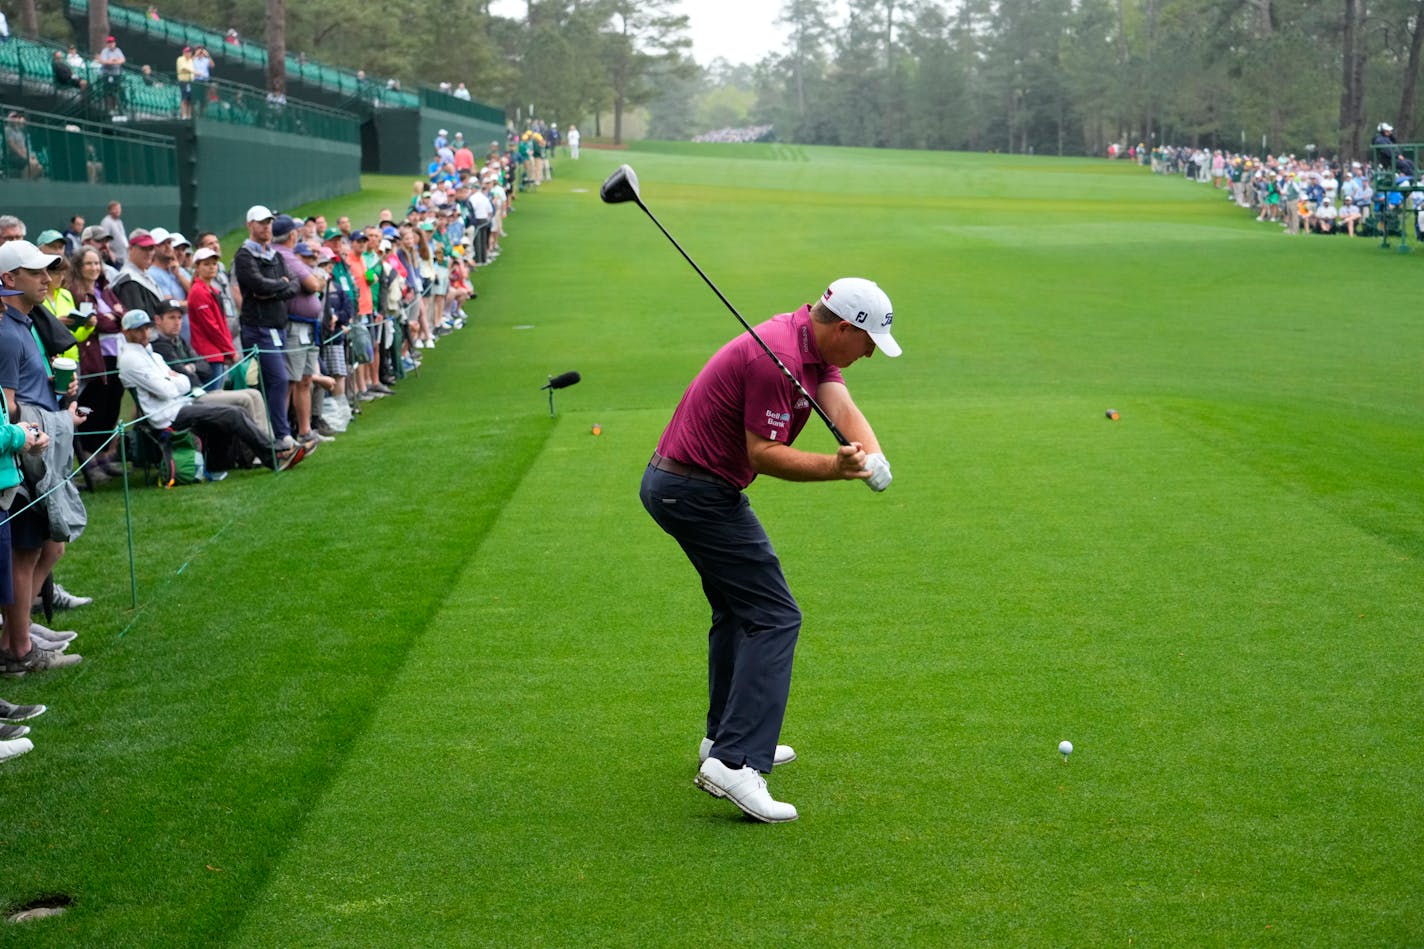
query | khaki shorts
(300,350)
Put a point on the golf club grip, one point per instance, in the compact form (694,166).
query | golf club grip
(835,432)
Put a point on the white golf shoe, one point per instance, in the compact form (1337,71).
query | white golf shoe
(744,787)
(785,754)
(14,748)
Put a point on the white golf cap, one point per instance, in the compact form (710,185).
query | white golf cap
(179,240)
(863,304)
(159,235)
(17,254)
(203,254)
(259,212)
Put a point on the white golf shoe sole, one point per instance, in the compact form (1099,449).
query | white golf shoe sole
(757,802)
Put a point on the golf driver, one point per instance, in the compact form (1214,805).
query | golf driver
(621,187)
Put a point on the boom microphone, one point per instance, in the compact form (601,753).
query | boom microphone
(561,381)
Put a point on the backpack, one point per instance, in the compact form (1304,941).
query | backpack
(180,455)
(182,460)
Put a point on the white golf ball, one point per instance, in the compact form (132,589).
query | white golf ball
(1065,747)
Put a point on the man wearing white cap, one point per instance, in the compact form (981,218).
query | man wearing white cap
(266,287)
(1387,152)
(26,379)
(738,419)
(165,270)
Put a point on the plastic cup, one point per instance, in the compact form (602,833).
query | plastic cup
(64,369)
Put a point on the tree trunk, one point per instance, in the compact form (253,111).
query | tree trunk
(98,25)
(617,120)
(29,20)
(1411,76)
(276,36)
(1352,79)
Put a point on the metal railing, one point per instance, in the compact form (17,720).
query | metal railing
(45,147)
(435,99)
(133,96)
(247,105)
(180,33)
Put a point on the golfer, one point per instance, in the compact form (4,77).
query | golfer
(737,420)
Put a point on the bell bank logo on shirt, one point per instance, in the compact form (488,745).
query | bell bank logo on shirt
(777,419)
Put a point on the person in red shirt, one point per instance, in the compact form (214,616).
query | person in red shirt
(464,158)
(207,324)
(737,420)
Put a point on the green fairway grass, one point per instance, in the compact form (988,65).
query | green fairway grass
(444,683)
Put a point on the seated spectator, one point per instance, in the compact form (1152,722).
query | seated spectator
(169,343)
(20,158)
(1349,216)
(64,77)
(1324,216)
(166,398)
(179,354)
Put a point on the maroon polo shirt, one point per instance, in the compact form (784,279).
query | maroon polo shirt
(741,390)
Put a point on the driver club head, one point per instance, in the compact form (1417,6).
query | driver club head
(621,186)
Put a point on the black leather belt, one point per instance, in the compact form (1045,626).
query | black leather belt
(672,466)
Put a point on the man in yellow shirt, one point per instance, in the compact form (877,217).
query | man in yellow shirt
(185,72)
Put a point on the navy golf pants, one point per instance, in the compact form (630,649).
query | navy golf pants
(755,619)
(270,344)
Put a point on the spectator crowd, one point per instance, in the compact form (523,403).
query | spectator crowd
(253,358)
(1310,195)
(752,133)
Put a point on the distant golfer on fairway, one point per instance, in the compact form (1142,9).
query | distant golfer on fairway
(736,420)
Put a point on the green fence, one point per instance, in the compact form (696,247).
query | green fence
(45,147)
(179,33)
(134,97)
(238,104)
(81,167)
(228,168)
(466,108)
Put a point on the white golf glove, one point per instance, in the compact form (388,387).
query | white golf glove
(879,470)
